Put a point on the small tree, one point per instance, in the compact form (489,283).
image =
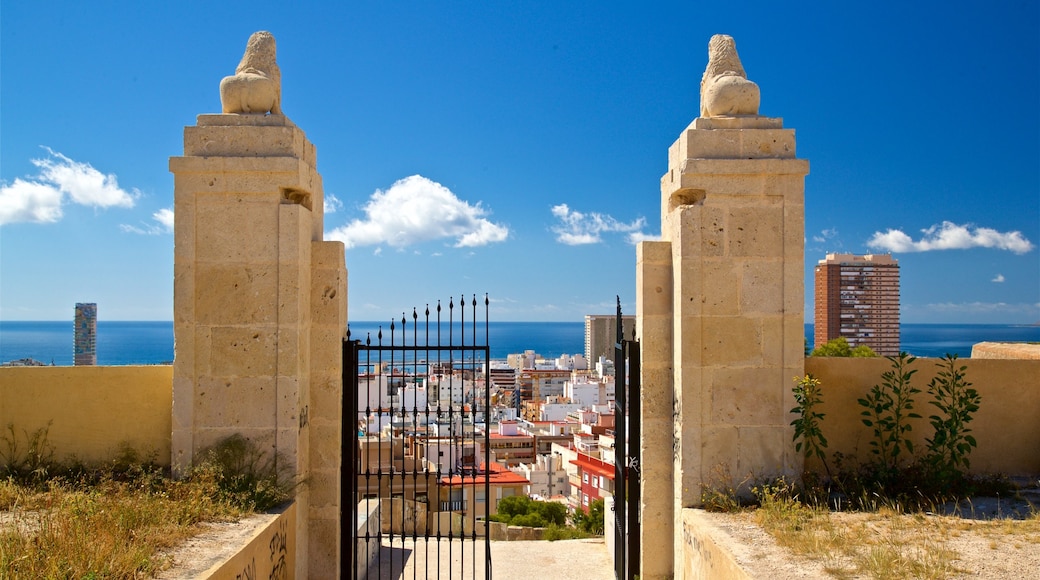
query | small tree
(840,347)
(889,408)
(514,505)
(591,522)
(957,402)
(520,510)
(807,426)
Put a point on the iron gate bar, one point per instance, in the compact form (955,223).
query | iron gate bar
(627,436)
(392,403)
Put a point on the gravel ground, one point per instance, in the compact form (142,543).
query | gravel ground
(984,539)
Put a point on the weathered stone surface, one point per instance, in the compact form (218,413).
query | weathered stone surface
(256,86)
(725,89)
(732,209)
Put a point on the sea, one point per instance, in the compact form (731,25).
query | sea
(150,343)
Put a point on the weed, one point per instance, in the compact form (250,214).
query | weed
(244,475)
(32,464)
(807,426)
(957,402)
(719,494)
(889,407)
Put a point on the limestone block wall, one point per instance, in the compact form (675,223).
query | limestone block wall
(242,277)
(720,318)
(322,417)
(260,312)
(1005,350)
(733,210)
(654,326)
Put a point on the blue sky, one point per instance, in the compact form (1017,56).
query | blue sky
(542,128)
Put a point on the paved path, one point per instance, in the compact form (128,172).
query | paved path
(450,559)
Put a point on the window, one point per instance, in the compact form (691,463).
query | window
(585,478)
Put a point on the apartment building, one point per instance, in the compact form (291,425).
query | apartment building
(857,297)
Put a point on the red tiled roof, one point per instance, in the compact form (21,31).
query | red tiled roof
(497,475)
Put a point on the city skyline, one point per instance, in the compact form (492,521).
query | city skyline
(517,149)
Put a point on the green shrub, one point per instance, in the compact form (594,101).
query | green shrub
(951,443)
(889,408)
(555,532)
(591,521)
(807,395)
(840,347)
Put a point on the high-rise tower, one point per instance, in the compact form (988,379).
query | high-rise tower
(601,334)
(85,346)
(857,297)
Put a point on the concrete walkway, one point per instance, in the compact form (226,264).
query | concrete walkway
(451,559)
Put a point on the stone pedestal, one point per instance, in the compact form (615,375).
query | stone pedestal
(724,290)
(259,303)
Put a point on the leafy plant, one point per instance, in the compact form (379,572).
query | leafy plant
(807,426)
(888,410)
(957,402)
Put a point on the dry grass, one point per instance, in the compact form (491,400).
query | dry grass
(115,520)
(111,529)
(885,544)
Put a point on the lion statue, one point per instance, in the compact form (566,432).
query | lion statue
(725,89)
(256,86)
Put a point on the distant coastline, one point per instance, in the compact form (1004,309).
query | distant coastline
(143,343)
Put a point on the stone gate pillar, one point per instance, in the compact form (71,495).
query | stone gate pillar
(259,300)
(720,308)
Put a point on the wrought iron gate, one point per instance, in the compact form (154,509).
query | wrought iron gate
(626,454)
(416,472)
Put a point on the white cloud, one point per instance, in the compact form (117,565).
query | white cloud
(29,201)
(164,217)
(950,236)
(825,235)
(332,203)
(984,308)
(636,237)
(40,198)
(576,228)
(998,279)
(414,210)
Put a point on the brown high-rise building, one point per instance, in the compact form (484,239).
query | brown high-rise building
(857,297)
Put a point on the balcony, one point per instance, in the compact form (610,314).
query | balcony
(453,506)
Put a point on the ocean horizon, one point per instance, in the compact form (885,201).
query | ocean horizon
(148,343)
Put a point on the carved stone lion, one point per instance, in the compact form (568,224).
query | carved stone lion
(725,89)
(256,86)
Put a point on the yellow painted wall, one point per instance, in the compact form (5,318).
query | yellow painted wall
(91,410)
(1006,425)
